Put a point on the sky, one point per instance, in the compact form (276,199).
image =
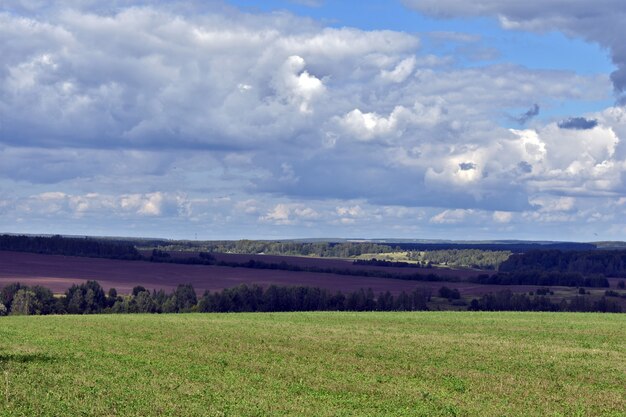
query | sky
(422,119)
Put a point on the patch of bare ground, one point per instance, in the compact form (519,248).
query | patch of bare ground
(59,272)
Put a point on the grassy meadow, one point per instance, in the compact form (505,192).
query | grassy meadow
(314,364)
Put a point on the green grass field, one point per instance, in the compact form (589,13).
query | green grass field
(314,364)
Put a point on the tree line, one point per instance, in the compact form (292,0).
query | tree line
(387,263)
(510,246)
(286,248)
(602,262)
(537,277)
(462,258)
(469,258)
(90,298)
(69,246)
(508,301)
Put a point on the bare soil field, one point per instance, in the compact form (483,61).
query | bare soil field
(60,272)
(344,264)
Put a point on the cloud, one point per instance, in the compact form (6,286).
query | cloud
(552,204)
(525,117)
(287,214)
(216,81)
(578,123)
(401,72)
(525,167)
(146,205)
(450,216)
(571,162)
(502,216)
(467,166)
(249,206)
(58,203)
(296,85)
(600,21)
(309,3)
(352,211)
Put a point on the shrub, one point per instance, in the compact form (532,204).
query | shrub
(451,294)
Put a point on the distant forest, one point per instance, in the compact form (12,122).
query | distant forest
(344,249)
(290,248)
(471,258)
(603,262)
(70,246)
(90,298)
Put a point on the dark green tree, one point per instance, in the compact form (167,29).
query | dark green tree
(25,303)
(145,303)
(137,290)
(8,292)
(185,297)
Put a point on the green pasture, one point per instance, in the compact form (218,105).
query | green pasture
(314,364)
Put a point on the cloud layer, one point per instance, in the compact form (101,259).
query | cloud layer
(242,124)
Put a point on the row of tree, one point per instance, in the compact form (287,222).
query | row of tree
(509,301)
(393,264)
(603,262)
(534,277)
(319,248)
(466,258)
(90,298)
(462,258)
(274,298)
(287,248)
(510,246)
(70,246)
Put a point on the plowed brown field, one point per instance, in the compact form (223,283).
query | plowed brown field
(59,272)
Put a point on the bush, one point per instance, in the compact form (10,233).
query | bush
(3,310)
(451,294)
